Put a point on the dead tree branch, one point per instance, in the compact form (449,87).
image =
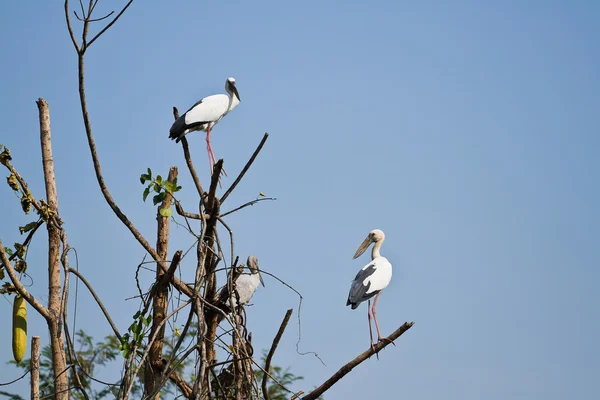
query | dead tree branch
(359,359)
(188,159)
(284,323)
(95,296)
(246,168)
(54,243)
(19,286)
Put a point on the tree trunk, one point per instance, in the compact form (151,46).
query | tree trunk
(54,234)
(160,301)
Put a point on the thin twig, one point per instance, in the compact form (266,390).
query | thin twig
(246,168)
(108,25)
(188,159)
(19,286)
(16,380)
(284,323)
(104,311)
(71,33)
(250,203)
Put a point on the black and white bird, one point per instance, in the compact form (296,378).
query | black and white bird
(246,284)
(371,279)
(205,114)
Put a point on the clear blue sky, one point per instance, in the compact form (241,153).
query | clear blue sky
(468,131)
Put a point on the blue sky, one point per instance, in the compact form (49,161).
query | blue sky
(467,131)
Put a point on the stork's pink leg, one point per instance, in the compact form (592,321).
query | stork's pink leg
(211,154)
(379,337)
(370,329)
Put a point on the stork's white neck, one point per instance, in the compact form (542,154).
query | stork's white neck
(233,101)
(375,252)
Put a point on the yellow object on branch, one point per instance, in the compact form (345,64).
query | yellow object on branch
(19,340)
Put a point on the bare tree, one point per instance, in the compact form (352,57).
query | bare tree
(147,357)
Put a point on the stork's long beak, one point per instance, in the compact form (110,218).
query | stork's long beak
(234,90)
(363,247)
(260,277)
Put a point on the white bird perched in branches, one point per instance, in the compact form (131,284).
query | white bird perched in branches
(246,284)
(371,279)
(205,114)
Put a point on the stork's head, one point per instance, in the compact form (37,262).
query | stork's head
(253,266)
(376,235)
(230,87)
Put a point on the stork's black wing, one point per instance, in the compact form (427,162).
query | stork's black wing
(358,291)
(179,126)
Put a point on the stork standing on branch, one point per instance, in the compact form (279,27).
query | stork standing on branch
(246,284)
(371,279)
(205,114)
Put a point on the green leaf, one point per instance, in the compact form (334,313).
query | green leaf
(159,180)
(159,198)
(137,314)
(169,186)
(27,227)
(146,321)
(166,212)
(146,193)
(8,251)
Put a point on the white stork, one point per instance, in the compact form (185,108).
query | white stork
(246,284)
(205,114)
(371,279)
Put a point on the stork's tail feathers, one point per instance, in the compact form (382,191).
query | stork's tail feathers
(177,130)
(354,305)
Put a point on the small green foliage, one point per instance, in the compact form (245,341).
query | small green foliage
(146,177)
(8,251)
(12,182)
(27,227)
(161,187)
(135,334)
(172,187)
(159,198)
(146,193)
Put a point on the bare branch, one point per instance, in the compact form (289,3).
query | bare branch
(250,203)
(284,323)
(188,159)
(19,286)
(359,359)
(108,25)
(246,168)
(104,311)
(71,33)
